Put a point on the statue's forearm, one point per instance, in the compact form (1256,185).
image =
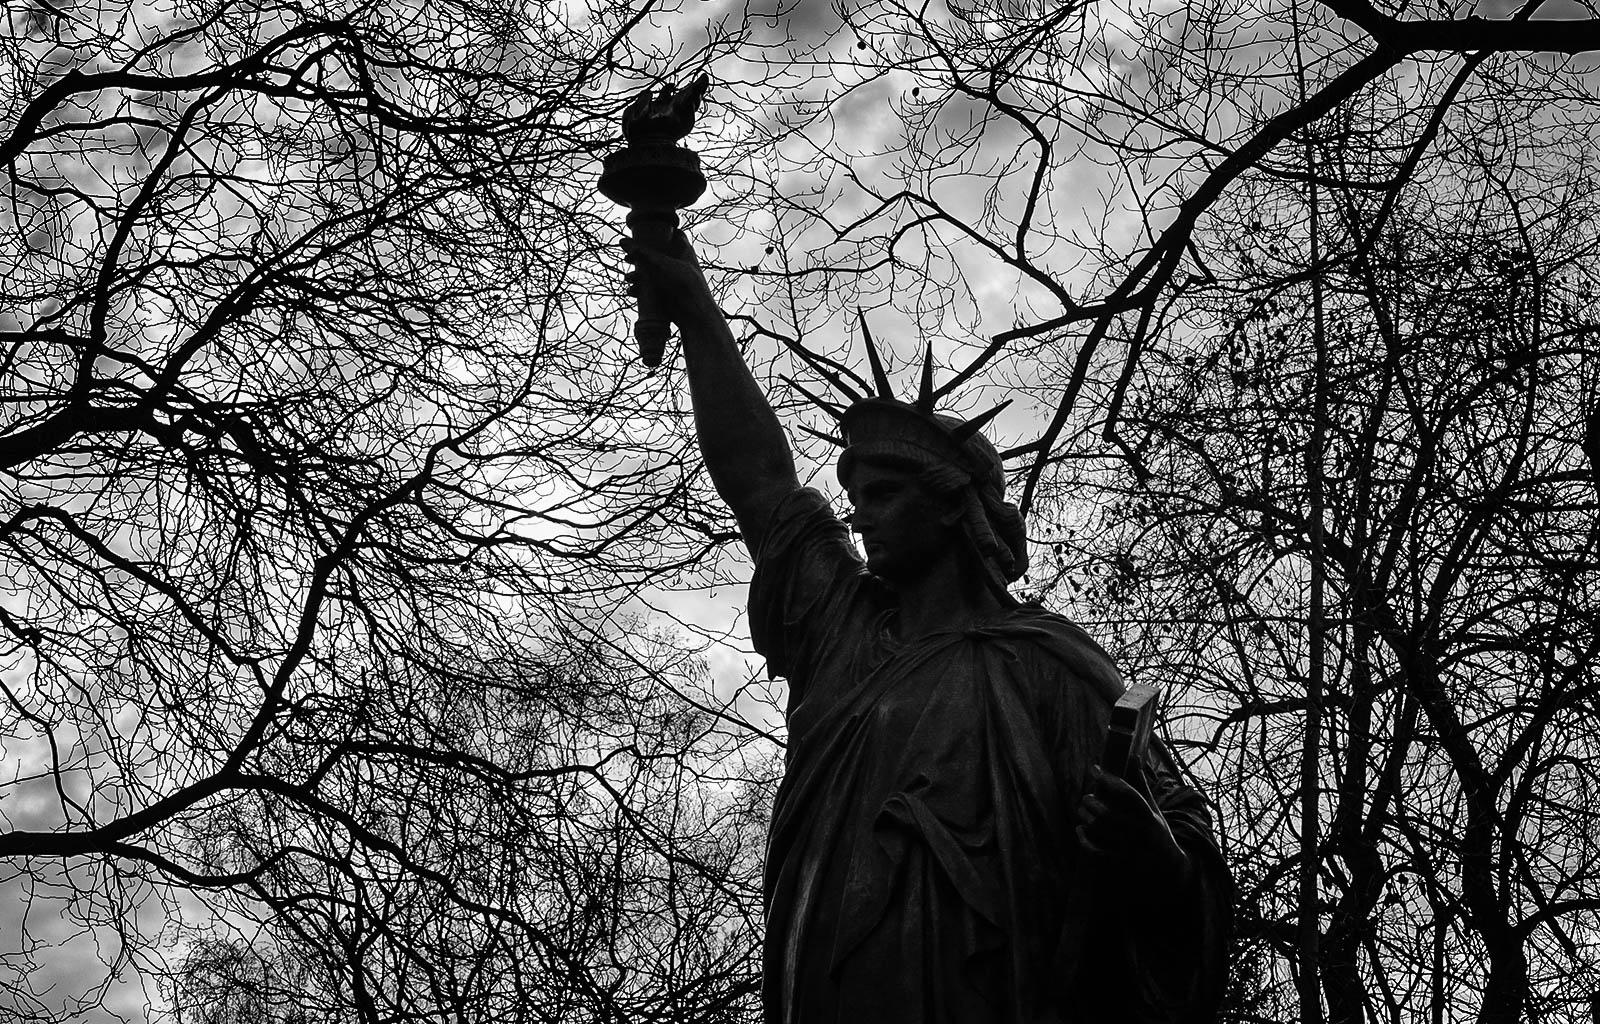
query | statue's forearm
(744,446)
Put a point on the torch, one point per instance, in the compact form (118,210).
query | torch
(654,178)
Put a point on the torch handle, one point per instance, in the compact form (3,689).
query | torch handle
(652,227)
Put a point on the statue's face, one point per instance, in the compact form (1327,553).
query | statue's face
(905,529)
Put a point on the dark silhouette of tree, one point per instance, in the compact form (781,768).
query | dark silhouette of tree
(1302,294)
(977,166)
(1407,492)
(327,479)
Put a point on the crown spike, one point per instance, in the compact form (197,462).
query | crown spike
(977,423)
(829,371)
(839,383)
(925,392)
(833,439)
(844,386)
(879,377)
(821,403)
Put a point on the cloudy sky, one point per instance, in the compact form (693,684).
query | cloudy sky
(845,175)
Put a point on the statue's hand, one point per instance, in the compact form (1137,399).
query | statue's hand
(1118,823)
(676,279)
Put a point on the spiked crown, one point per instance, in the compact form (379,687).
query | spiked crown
(882,427)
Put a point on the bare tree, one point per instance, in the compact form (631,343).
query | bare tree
(1389,471)
(326,481)
(1302,294)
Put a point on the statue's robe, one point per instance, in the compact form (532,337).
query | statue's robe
(922,864)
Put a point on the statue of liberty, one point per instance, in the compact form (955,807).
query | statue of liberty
(944,847)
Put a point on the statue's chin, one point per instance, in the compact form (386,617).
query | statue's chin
(883,569)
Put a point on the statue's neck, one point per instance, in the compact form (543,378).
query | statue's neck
(949,596)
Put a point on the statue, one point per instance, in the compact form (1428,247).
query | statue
(943,846)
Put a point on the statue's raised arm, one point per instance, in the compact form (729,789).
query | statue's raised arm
(746,450)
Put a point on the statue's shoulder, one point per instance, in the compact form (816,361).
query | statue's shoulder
(1059,645)
(1054,632)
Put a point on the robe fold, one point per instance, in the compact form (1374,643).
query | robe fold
(922,864)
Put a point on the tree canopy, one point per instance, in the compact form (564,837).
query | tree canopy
(323,478)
